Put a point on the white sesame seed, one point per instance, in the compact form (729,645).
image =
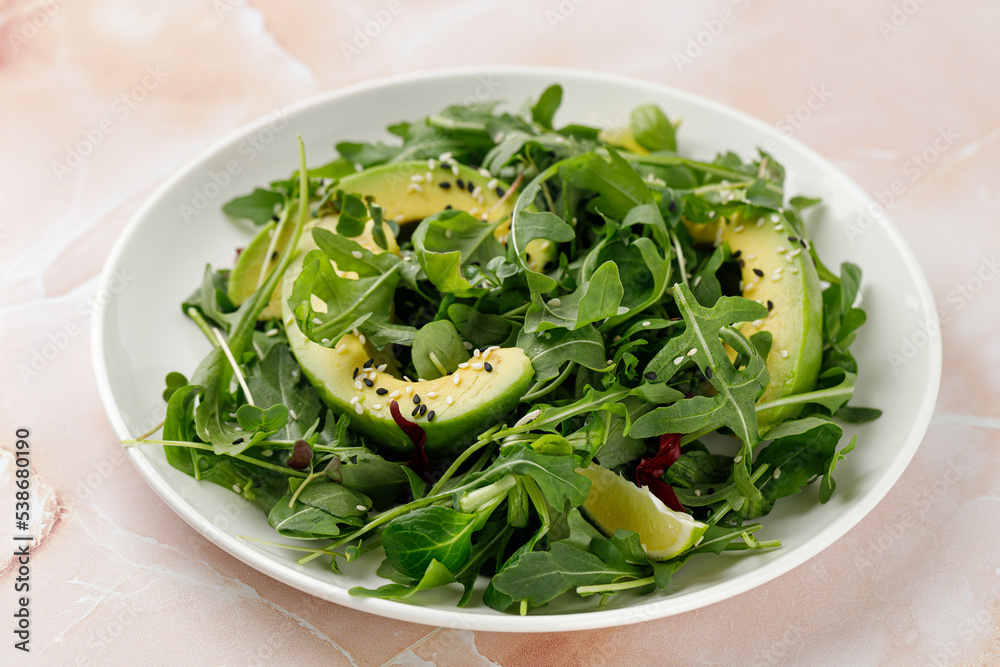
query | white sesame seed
(454,169)
(292,414)
(697,281)
(697,492)
(711,214)
(555,303)
(475,352)
(421,380)
(445,157)
(409,389)
(341,348)
(399,218)
(738,458)
(750,257)
(464,364)
(741,286)
(357,254)
(359,409)
(413,187)
(779,228)
(467,345)
(478,366)
(432,394)
(394,394)
(456,379)
(738,229)
(316,320)
(361,508)
(449,400)
(324,341)
(477,192)
(776,277)
(429,177)
(784,354)
(760,223)
(381,368)
(486,353)
(237,428)
(693,351)
(777,473)
(758,323)
(432,163)
(271,332)
(485,173)
(267,452)
(484,217)
(646,323)
(377,406)
(355,400)
(358,385)
(361,339)
(355,331)
(407,379)
(492,185)
(793,269)
(775,217)
(780,249)
(236,488)
(474,210)
(678,361)
(795,252)
(417,178)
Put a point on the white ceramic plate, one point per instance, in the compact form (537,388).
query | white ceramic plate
(141,334)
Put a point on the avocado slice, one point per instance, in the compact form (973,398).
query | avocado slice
(407,192)
(777,271)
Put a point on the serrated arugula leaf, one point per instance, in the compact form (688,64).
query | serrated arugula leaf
(549,351)
(596,299)
(555,476)
(259,206)
(701,343)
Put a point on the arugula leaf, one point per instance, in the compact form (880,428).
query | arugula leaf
(545,108)
(701,342)
(652,129)
(555,476)
(550,350)
(278,380)
(438,350)
(481,329)
(828,485)
(597,299)
(258,206)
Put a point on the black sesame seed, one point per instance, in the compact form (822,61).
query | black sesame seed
(448,207)
(444,185)
(488,367)
(527,257)
(708,373)
(430,416)
(237,441)
(770,305)
(711,490)
(549,265)
(423,410)
(760,274)
(381,391)
(460,183)
(500,192)
(355,376)
(469,186)
(368,364)
(793,239)
(415,411)
(803,243)
(736,255)
(650,376)
(741,263)
(416,399)
(369,383)
(274,255)
(275,218)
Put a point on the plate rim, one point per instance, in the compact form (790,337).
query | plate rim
(503,622)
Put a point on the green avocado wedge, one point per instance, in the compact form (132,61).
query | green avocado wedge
(777,271)
(408,192)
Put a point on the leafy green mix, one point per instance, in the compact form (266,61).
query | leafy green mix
(629,293)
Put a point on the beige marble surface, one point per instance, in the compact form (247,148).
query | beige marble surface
(119,579)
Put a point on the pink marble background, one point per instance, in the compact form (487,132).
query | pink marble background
(118,578)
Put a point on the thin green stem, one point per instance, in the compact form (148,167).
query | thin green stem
(620,586)
(198,445)
(205,327)
(484,440)
(534,394)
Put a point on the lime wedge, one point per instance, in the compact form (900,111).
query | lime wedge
(614,502)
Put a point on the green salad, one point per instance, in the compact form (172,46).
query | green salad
(562,359)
